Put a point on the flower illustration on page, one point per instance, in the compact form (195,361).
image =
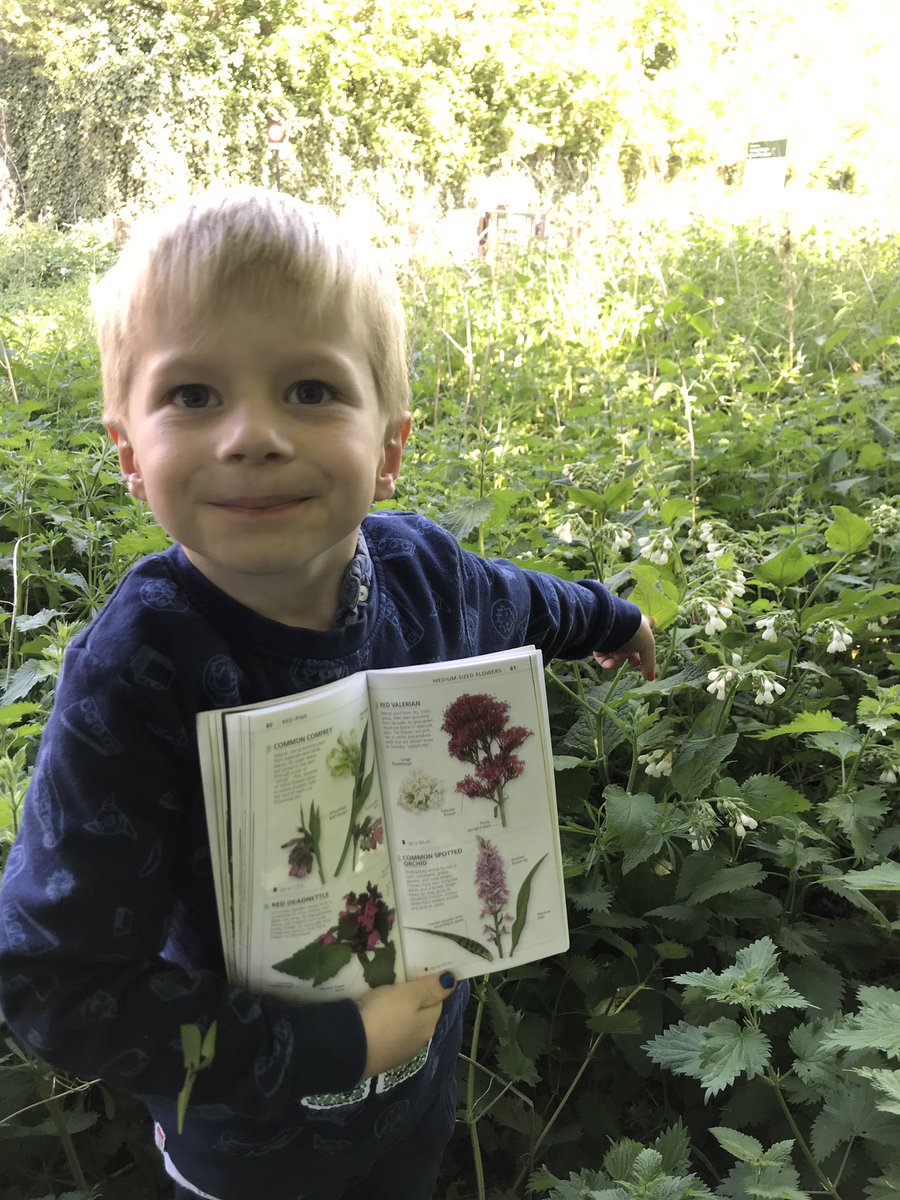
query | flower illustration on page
(348,758)
(420,792)
(303,851)
(362,931)
(492,889)
(490,884)
(480,735)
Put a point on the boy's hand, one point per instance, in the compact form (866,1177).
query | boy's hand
(640,651)
(399,1018)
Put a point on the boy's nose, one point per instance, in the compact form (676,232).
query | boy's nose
(253,432)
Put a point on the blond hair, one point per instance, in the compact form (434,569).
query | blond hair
(246,244)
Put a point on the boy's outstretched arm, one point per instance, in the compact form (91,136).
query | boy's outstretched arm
(399,1019)
(639,650)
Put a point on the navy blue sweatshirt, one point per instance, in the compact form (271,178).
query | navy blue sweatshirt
(109,936)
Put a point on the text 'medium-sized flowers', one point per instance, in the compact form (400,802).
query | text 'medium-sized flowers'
(480,735)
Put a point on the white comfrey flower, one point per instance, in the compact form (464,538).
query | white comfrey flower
(714,623)
(743,823)
(699,840)
(738,585)
(657,763)
(564,532)
(620,536)
(656,548)
(767,625)
(841,639)
(705,531)
(888,775)
(767,688)
(719,677)
(877,626)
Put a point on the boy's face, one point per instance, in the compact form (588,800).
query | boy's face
(256,437)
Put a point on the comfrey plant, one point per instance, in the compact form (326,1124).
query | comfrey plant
(303,851)
(480,735)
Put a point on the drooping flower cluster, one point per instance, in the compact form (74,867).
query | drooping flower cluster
(657,762)
(301,859)
(370,833)
(493,892)
(420,792)
(344,758)
(364,924)
(715,617)
(767,688)
(656,547)
(721,677)
(841,638)
(744,823)
(479,734)
(769,627)
(304,851)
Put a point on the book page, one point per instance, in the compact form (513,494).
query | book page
(470,809)
(312,895)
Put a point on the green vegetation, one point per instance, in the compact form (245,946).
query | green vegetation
(707,416)
(110,105)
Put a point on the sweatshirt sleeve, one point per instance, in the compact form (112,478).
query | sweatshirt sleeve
(508,606)
(105,897)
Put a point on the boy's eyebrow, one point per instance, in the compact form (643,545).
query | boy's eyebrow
(315,359)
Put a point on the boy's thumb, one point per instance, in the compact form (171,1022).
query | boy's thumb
(440,986)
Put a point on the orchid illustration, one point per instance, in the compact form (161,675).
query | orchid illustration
(492,890)
(480,735)
(362,930)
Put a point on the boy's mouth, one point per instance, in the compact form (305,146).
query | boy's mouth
(259,503)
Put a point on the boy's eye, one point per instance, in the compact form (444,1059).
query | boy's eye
(309,391)
(191,395)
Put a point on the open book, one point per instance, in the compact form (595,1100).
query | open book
(385,826)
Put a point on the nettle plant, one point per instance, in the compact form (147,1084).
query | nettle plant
(737,815)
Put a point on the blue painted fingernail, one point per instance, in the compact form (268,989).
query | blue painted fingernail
(447,980)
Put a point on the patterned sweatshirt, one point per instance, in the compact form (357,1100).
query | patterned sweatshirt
(109,936)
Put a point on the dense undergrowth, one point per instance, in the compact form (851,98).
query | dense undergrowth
(706,418)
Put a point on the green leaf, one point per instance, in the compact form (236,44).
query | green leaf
(656,597)
(697,764)
(715,1054)
(875,1027)
(466,516)
(465,943)
(672,510)
(208,1048)
(728,879)
(522,906)
(623,1023)
(379,966)
(786,567)
(627,816)
(848,533)
(506,1022)
(739,1145)
(767,796)
(883,878)
(316,962)
(806,722)
(845,1116)
(190,1046)
(754,981)
(26,676)
(886,1084)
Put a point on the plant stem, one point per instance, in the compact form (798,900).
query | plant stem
(63,1134)
(470,1094)
(773,1081)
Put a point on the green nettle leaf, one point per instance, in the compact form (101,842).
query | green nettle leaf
(767,796)
(727,879)
(687,678)
(883,878)
(506,1020)
(875,1027)
(821,984)
(467,515)
(786,567)
(859,814)
(821,721)
(847,1114)
(848,533)
(887,1087)
(715,1054)
(26,676)
(843,743)
(739,1145)
(754,981)
(627,816)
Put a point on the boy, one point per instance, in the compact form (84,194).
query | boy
(255,386)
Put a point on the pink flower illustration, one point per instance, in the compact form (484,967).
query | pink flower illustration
(493,892)
(479,734)
(366,921)
(370,833)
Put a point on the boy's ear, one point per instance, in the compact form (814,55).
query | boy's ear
(127,461)
(389,467)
